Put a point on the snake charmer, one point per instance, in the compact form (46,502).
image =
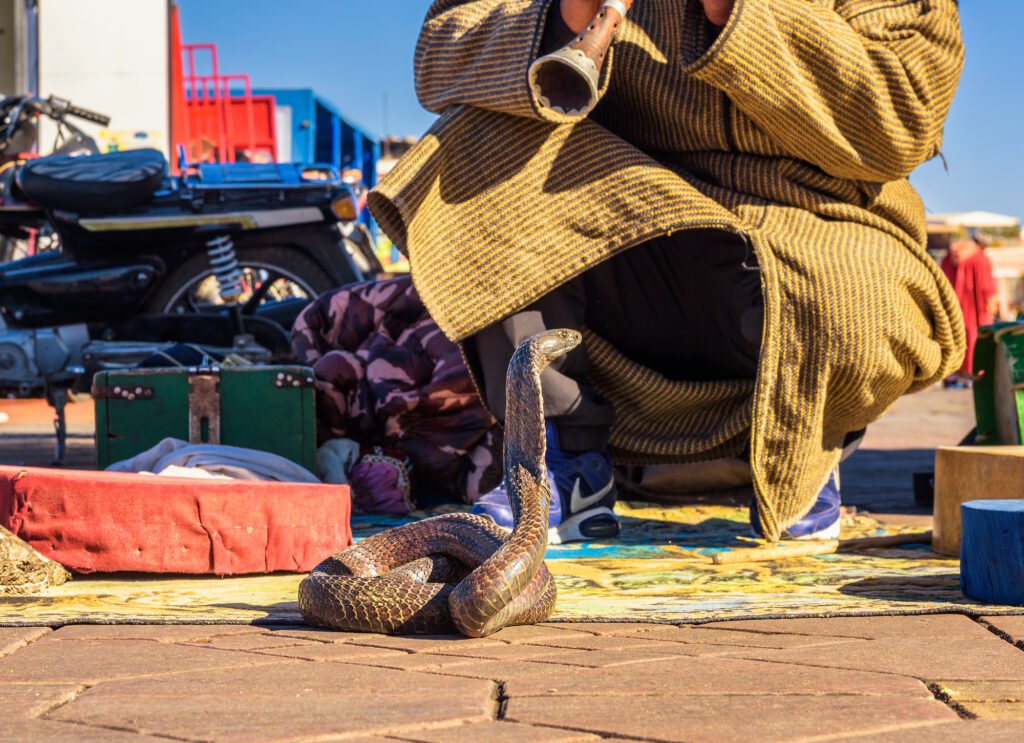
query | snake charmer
(728,222)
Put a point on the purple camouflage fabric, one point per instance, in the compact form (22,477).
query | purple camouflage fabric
(387,376)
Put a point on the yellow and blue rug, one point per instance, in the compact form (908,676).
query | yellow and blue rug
(661,570)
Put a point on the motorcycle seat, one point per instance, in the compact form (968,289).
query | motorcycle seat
(91,183)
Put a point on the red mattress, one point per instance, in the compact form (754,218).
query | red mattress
(110,522)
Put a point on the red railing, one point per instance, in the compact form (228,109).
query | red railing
(219,120)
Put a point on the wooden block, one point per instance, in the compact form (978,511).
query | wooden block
(966,473)
(992,551)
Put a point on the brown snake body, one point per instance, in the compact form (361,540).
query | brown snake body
(457,571)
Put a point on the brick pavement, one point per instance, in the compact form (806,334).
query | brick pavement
(933,678)
(925,678)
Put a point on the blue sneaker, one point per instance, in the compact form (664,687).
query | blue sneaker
(821,522)
(582,496)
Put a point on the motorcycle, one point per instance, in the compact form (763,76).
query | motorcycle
(20,116)
(224,256)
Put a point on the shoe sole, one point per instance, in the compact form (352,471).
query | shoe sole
(829,532)
(571,529)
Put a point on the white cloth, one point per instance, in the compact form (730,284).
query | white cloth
(177,458)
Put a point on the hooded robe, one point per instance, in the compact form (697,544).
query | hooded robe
(794,126)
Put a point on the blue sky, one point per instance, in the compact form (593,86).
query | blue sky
(354,53)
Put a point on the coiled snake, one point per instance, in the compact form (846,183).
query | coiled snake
(457,571)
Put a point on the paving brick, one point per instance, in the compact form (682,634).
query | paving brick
(994,710)
(159,633)
(15,638)
(1012,627)
(530,632)
(32,700)
(582,651)
(250,642)
(925,658)
(951,626)
(289,699)
(46,731)
(982,691)
(966,731)
(335,652)
(718,634)
(629,629)
(315,633)
(686,677)
(90,661)
(499,651)
(428,662)
(498,732)
(710,634)
(607,658)
(541,658)
(22,704)
(610,642)
(427,643)
(720,719)
(506,671)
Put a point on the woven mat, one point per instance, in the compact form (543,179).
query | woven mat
(659,571)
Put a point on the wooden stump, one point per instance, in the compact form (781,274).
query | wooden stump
(992,551)
(966,473)
(23,570)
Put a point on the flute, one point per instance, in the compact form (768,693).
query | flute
(567,81)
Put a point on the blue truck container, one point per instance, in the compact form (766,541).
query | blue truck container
(318,133)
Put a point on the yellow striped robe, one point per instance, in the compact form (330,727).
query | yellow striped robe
(795,126)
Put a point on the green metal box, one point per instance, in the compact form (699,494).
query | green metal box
(267,408)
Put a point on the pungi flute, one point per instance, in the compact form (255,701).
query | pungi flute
(567,81)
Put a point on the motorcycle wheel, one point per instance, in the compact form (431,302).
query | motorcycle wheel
(192,287)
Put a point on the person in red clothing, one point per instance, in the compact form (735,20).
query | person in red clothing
(970,272)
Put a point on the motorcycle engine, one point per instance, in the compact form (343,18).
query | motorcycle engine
(29,359)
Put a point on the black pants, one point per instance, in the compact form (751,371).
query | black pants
(684,305)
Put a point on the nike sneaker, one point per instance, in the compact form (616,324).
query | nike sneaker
(821,522)
(582,496)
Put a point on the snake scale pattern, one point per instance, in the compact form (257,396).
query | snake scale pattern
(457,572)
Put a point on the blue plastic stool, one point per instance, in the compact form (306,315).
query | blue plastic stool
(992,551)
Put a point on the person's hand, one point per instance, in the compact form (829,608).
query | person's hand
(578,13)
(718,11)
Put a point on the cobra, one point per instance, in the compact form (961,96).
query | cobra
(457,571)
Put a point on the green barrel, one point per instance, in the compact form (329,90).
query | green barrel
(984,388)
(1009,384)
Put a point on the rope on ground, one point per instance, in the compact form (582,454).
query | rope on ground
(813,548)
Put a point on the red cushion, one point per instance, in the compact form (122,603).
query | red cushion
(110,522)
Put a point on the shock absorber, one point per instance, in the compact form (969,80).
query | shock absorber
(221,251)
